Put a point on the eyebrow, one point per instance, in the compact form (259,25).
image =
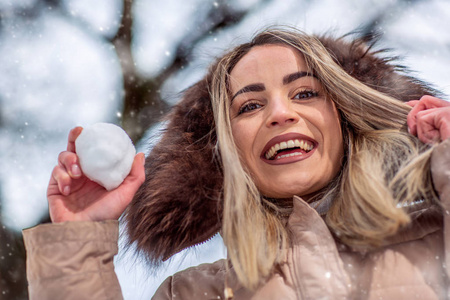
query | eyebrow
(259,87)
(294,76)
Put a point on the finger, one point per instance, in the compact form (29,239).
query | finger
(433,102)
(412,116)
(137,173)
(445,129)
(425,103)
(73,134)
(131,183)
(69,161)
(433,125)
(427,134)
(441,121)
(412,103)
(428,125)
(62,179)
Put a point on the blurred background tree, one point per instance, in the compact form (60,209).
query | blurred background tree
(75,62)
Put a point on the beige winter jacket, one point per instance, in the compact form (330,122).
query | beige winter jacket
(75,260)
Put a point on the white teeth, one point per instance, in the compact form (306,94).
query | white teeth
(304,145)
(289,155)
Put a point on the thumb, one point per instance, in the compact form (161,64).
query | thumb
(137,173)
(132,182)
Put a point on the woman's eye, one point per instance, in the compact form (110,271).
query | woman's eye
(249,107)
(306,94)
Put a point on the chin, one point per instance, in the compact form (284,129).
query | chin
(286,193)
(283,189)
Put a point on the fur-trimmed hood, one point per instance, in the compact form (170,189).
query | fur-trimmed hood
(180,203)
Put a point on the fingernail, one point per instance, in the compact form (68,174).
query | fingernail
(66,190)
(76,170)
(143,159)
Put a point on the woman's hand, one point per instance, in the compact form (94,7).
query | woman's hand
(73,197)
(429,119)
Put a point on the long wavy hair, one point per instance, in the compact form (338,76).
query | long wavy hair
(384,167)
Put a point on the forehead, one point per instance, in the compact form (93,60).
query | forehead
(267,62)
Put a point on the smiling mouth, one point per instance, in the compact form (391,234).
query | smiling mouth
(288,148)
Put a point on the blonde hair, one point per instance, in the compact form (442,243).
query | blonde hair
(384,167)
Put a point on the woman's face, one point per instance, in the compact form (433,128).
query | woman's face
(288,133)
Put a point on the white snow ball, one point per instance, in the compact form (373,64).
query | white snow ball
(106,154)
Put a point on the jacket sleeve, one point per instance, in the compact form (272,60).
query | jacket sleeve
(72,260)
(440,170)
(164,292)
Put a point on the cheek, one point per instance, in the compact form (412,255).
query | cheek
(336,143)
(238,135)
(338,150)
(243,138)
(330,127)
(245,135)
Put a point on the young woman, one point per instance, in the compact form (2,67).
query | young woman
(301,152)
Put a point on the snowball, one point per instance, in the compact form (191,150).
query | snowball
(106,154)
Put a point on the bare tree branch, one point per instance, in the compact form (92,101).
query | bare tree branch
(143,105)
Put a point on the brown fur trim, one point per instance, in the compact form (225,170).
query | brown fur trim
(357,59)
(179,205)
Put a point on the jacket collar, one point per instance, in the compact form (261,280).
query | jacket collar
(425,219)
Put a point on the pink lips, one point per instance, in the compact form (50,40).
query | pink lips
(284,138)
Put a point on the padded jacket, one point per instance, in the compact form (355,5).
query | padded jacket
(75,260)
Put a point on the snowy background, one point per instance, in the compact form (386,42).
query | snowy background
(59,69)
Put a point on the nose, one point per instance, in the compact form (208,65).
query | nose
(281,113)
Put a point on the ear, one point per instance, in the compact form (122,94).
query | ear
(359,60)
(179,204)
